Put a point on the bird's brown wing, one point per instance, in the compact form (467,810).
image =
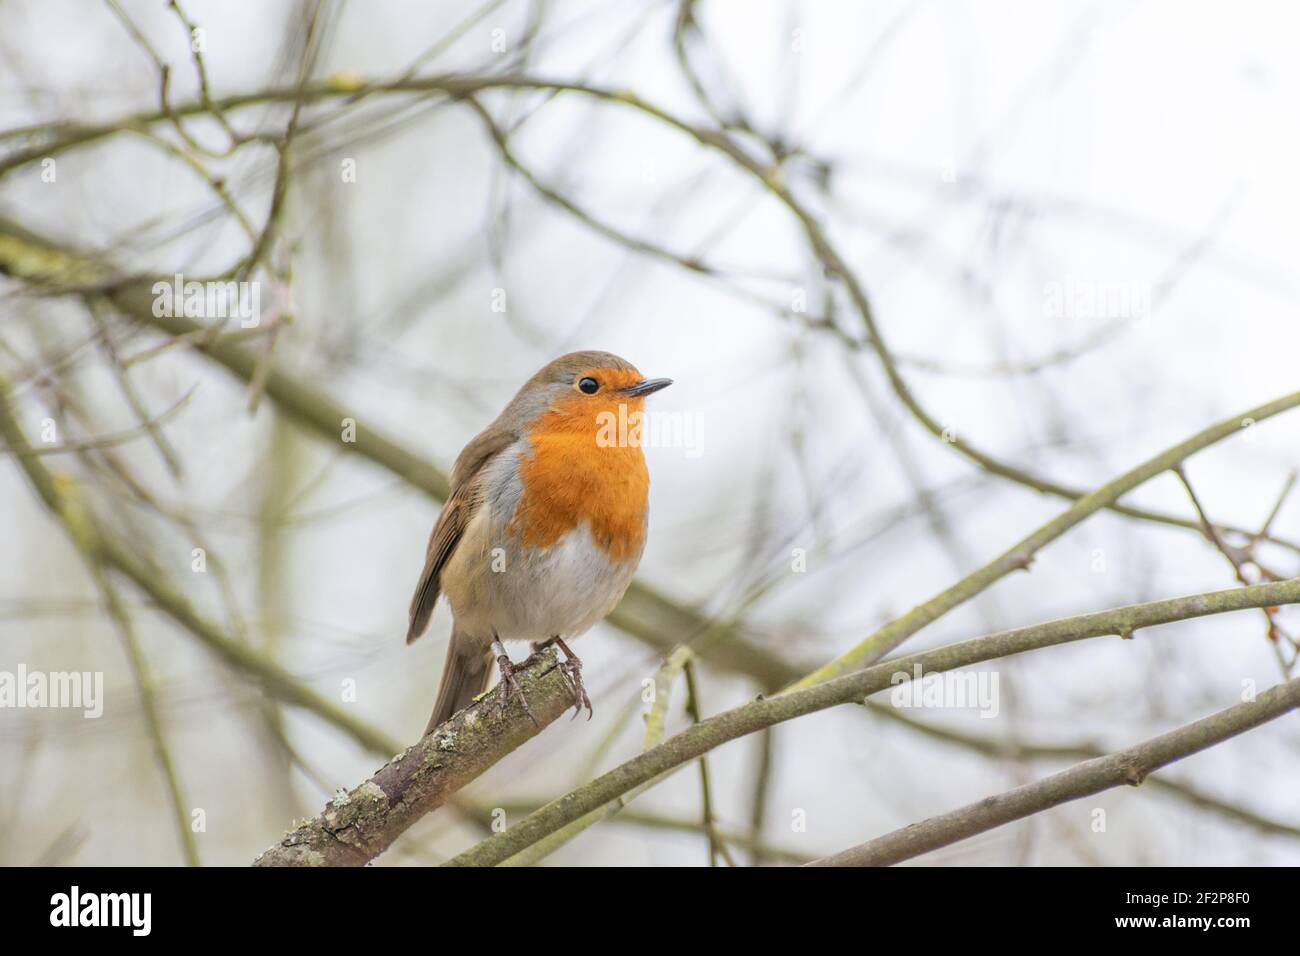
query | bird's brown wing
(461,505)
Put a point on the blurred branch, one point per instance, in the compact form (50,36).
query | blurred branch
(356,827)
(308,406)
(633,244)
(656,717)
(717,845)
(1130,767)
(60,137)
(688,36)
(655,721)
(97,556)
(60,495)
(1022,751)
(146,427)
(646,769)
(834,267)
(165,449)
(149,704)
(1021,555)
(759,795)
(262,245)
(654,821)
(1237,558)
(644,613)
(196,51)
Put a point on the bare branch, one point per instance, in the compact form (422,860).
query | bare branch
(462,86)
(1026,751)
(356,827)
(63,500)
(850,688)
(1020,555)
(645,612)
(1126,767)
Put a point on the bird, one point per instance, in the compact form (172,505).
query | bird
(544,526)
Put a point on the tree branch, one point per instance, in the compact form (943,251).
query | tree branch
(645,613)
(356,827)
(62,137)
(1129,767)
(1020,555)
(63,499)
(1026,752)
(854,687)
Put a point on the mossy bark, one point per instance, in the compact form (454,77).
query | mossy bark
(355,827)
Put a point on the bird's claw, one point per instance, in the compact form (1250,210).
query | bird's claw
(572,668)
(511,687)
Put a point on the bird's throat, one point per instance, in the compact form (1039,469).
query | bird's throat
(569,478)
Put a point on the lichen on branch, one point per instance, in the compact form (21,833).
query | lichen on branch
(358,825)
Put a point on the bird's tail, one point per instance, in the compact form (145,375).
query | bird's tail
(465,675)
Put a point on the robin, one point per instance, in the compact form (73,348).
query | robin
(544,526)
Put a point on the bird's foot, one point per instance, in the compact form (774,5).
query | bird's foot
(510,687)
(572,668)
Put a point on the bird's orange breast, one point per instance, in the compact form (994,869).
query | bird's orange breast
(568,478)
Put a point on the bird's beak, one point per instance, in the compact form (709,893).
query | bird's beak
(645,387)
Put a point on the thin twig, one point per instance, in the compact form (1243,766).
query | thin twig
(1020,555)
(1125,767)
(124,560)
(717,845)
(1021,751)
(144,682)
(758,801)
(1275,632)
(674,753)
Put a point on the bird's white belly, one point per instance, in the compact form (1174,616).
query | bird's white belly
(498,587)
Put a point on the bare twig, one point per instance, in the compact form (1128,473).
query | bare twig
(464,86)
(655,724)
(60,498)
(1126,767)
(631,817)
(852,687)
(144,681)
(759,799)
(1020,555)
(717,845)
(1024,751)
(1276,633)
(144,429)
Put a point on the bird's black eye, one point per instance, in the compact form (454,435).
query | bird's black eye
(589,386)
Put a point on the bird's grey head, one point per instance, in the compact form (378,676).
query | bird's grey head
(573,376)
